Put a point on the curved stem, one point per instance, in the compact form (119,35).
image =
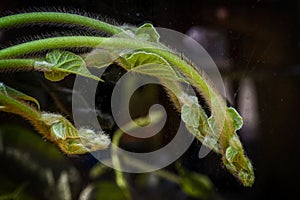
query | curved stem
(120,179)
(55,17)
(213,99)
(109,43)
(19,108)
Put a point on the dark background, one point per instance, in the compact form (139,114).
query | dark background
(261,45)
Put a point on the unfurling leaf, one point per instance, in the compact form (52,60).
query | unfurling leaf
(234,157)
(147,32)
(231,154)
(62,63)
(236,119)
(239,165)
(190,111)
(71,140)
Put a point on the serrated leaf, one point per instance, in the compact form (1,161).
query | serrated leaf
(63,63)
(17,95)
(147,32)
(236,119)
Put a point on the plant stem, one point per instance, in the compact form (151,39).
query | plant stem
(55,17)
(203,85)
(50,43)
(108,43)
(17,64)
(120,179)
(40,17)
(19,108)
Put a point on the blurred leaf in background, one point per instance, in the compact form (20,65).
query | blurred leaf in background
(35,164)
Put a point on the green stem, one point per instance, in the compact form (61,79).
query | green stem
(213,99)
(40,17)
(17,64)
(120,179)
(50,43)
(54,17)
(109,43)
(19,108)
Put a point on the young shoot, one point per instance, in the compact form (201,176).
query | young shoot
(135,49)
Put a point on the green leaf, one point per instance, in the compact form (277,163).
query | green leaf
(17,95)
(159,71)
(63,63)
(191,115)
(55,76)
(153,65)
(147,32)
(231,154)
(197,122)
(237,162)
(236,119)
(69,139)
(141,58)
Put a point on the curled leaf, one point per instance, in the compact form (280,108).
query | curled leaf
(17,95)
(231,154)
(238,163)
(71,140)
(190,111)
(236,119)
(147,32)
(234,157)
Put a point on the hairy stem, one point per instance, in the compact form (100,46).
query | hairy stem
(19,108)
(203,85)
(214,100)
(55,17)
(113,43)
(17,64)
